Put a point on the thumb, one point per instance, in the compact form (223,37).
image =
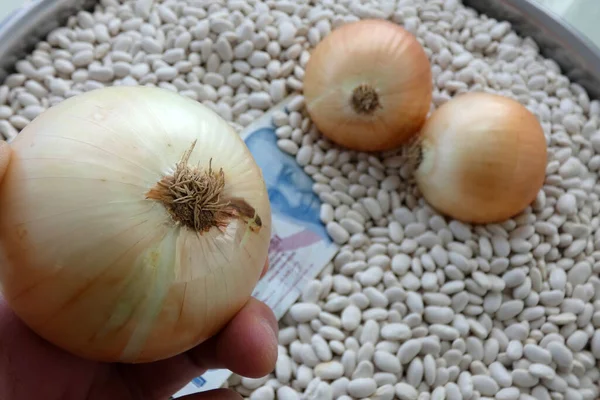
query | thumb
(5,153)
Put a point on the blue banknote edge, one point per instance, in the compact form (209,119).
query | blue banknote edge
(265,127)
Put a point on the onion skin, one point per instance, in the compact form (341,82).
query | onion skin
(484,158)
(378,54)
(94,266)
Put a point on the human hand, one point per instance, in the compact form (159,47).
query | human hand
(32,368)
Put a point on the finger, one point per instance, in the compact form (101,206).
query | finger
(23,353)
(247,346)
(5,153)
(218,394)
(265,268)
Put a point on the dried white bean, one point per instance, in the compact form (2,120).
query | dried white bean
(406,392)
(362,387)
(485,385)
(304,312)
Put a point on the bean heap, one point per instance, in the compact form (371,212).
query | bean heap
(414,305)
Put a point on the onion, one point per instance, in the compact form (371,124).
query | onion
(134,224)
(483,158)
(368,85)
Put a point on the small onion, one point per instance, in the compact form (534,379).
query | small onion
(483,158)
(368,85)
(134,224)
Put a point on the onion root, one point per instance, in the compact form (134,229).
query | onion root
(192,196)
(365,100)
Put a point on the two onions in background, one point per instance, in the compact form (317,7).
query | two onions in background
(479,158)
(123,241)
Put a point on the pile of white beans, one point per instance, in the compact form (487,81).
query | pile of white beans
(414,305)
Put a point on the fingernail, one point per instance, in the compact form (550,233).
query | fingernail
(271,340)
(270,330)
(271,351)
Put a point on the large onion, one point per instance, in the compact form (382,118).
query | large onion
(134,224)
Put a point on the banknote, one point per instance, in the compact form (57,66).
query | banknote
(300,247)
